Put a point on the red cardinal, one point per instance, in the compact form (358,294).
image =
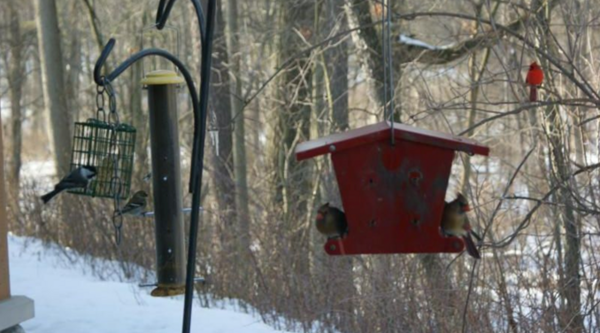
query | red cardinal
(535,77)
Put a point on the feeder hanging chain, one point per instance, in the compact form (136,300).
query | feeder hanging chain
(100,113)
(116,184)
(112,103)
(117,218)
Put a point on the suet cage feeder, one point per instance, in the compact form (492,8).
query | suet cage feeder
(393,195)
(106,146)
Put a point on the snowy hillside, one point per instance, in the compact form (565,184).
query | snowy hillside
(69,301)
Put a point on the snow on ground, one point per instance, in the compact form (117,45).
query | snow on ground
(70,301)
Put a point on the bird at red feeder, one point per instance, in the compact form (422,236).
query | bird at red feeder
(535,77)
(456,223)
(331,222)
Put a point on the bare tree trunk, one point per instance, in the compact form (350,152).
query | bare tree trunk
(573,320)
(239,139)
(293,184)
(555,134)
(337,100)
(336,60)
(37,97)
(360,11)
(16,79)
(73,61)
(476,73)
(94,24)
(53,81)
(139,118)
(221,104)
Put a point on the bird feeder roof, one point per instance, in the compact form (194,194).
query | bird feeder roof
(381,131)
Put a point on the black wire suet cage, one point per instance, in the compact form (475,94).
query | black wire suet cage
(110,148)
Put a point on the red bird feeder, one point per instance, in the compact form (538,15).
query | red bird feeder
(393,196)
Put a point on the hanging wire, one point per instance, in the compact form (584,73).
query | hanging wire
(116,184)
(100,115)
(389,85)
(384,59)
(390,67)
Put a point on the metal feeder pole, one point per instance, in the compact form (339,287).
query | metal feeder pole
(166,182)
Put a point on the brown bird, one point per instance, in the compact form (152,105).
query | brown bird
(331,222)
(456,223)
(136,206)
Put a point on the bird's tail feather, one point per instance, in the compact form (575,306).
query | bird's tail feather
(48,196)
(471,248)
(533,94)
(476,235)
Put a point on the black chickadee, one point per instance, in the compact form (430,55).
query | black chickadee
(78,178)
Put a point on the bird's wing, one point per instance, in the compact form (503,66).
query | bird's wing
(75,177)
(131,206)
(69,183)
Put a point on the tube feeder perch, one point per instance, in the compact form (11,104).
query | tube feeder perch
(166,182)
(393,195)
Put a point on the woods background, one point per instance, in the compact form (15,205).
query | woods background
(288,71)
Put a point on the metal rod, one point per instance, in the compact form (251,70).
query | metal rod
(146,285)
(184,211)
(384,59)
(390,68)
(197,164)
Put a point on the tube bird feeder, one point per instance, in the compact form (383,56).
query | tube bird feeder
(166,182)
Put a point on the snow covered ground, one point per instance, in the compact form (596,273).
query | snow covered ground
(67,300)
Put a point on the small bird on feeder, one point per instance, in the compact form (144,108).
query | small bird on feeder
(456,223)
(136,206)
(331,222)
(78,178)
(535,77)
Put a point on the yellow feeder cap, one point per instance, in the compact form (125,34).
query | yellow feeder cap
(161,77)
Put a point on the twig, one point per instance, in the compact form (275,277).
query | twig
(464,315)
(512,179)
(525,222)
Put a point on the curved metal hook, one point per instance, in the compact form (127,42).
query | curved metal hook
(98,77)
(164,10)
(199,124)
(162,13)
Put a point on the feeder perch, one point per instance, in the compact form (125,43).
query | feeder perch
(393,196)
(101,144)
